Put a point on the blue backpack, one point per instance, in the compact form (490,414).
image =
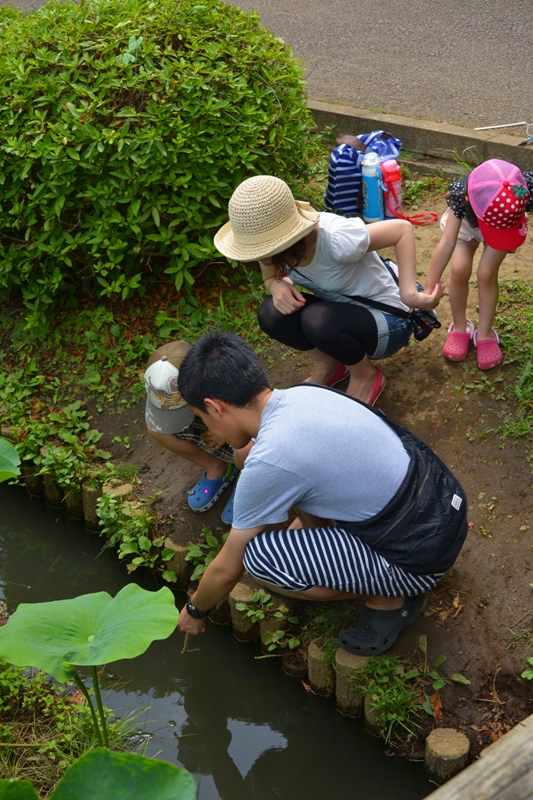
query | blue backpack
(344,173)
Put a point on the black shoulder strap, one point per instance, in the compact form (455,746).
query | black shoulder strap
(367,301)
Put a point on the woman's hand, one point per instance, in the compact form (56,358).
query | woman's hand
(286,297)
(425,301)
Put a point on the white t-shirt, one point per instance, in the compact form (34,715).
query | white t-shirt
(342,265)
(323,452)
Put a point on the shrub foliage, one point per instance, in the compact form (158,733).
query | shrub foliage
(124,129)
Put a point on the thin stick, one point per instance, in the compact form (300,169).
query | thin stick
(507,125)
(186,642)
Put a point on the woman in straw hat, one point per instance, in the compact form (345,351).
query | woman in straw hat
(335,259)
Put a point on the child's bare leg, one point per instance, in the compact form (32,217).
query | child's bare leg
(487,281)
(213,466)
(461,270)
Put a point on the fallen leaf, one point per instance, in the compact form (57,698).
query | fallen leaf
(475,727)
(471,525)
(436,704)
(456,601)
(443,616)
(481,495)
(524,527)
(306,686)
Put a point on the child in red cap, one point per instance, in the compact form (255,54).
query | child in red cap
(488,206)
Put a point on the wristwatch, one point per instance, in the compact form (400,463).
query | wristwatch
(194,612)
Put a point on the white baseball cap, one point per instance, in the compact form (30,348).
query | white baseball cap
(166,410)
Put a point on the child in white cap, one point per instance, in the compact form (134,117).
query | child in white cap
(171,422)
(486,207)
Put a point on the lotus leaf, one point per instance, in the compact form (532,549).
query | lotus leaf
(112,776)
(17,790)
(87,630)
(9,461)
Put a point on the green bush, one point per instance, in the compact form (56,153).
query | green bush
(124,129)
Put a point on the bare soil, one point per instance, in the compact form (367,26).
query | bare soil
(481,615)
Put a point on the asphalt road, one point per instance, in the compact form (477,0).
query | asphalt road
(468,63)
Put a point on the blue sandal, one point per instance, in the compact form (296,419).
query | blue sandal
(205,494)
(227,514)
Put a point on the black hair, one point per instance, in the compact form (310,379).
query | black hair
(221,366)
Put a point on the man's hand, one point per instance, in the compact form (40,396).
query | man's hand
(286,297)
(188,624)
(212,440)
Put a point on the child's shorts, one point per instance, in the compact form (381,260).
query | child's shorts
(466,232)
(193,433)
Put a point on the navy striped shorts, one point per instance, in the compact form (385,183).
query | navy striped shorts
(299,559)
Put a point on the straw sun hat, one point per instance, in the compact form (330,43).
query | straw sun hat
(264,220)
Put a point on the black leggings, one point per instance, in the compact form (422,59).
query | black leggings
(344,331)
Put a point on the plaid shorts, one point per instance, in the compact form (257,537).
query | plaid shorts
(194,432)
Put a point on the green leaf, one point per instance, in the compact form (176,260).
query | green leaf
(413,673)
(17,790)
(156,217)
(440,660)
(145,543)
(9,461)
(426,705)
(423,644)
(169,575)
(124,776)
(87,630)
(438,683)
(458,678)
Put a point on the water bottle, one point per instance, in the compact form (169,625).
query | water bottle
(372,190)
(392,184)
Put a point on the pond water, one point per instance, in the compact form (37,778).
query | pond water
(243,727)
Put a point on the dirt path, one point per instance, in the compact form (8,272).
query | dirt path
(487,595)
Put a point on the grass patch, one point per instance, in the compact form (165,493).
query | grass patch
(42,733)
(395,702)
(414,192)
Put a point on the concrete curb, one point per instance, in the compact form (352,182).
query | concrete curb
(436,139)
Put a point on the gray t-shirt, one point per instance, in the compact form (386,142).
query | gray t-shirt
(323,452)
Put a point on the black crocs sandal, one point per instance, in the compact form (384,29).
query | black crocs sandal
(378,630)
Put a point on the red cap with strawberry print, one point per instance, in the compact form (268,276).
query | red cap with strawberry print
(498,195)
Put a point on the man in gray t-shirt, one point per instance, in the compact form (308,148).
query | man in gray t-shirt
(393,517)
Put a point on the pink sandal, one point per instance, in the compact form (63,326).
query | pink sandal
(339,375)
(379,384)
(489,354)
(457,344)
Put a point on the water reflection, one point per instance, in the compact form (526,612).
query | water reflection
(246,730)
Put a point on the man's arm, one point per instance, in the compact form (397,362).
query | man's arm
(219,578)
